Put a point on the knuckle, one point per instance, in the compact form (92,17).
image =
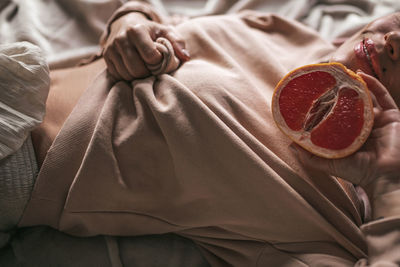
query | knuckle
(137,29)
(163,30)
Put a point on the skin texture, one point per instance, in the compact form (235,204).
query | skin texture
(385,36)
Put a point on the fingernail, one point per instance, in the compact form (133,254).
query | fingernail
(185,53)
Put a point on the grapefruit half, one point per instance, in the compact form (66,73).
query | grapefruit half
(325,108)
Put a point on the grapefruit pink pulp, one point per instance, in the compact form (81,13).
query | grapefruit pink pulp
(325,108)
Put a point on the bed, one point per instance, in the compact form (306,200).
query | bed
(60,28)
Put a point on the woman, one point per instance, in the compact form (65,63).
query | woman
(195,152)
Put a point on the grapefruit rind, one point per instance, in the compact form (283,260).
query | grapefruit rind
(344,78)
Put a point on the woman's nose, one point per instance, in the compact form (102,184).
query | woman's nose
(392,45)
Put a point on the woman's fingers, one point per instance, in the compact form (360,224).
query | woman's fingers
(110,66)
(141,38)
(113,55)
(131,58)
(178,43)
(383,97)
(345,168)
(130,49)
(385,108)
(377,155)
(311,160)
(385,117)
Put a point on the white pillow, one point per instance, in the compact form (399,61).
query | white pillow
(24,86)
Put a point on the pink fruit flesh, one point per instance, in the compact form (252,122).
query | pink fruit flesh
(343,125)
(306,101)
(296,99)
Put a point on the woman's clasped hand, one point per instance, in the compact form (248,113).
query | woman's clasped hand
(130,46)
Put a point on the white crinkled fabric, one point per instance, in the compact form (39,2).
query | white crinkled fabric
(24,86)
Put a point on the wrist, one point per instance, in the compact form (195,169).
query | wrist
(141,10)
(130,19)
(134,16)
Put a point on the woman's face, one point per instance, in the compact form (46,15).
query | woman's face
(375,49)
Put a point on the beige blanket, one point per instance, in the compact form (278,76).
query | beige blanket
(196,152)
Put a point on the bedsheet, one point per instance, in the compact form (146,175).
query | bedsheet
(68,30)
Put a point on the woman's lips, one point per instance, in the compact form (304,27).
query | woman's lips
(367,57)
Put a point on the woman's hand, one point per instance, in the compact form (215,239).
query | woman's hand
(130,46)
(376,166)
